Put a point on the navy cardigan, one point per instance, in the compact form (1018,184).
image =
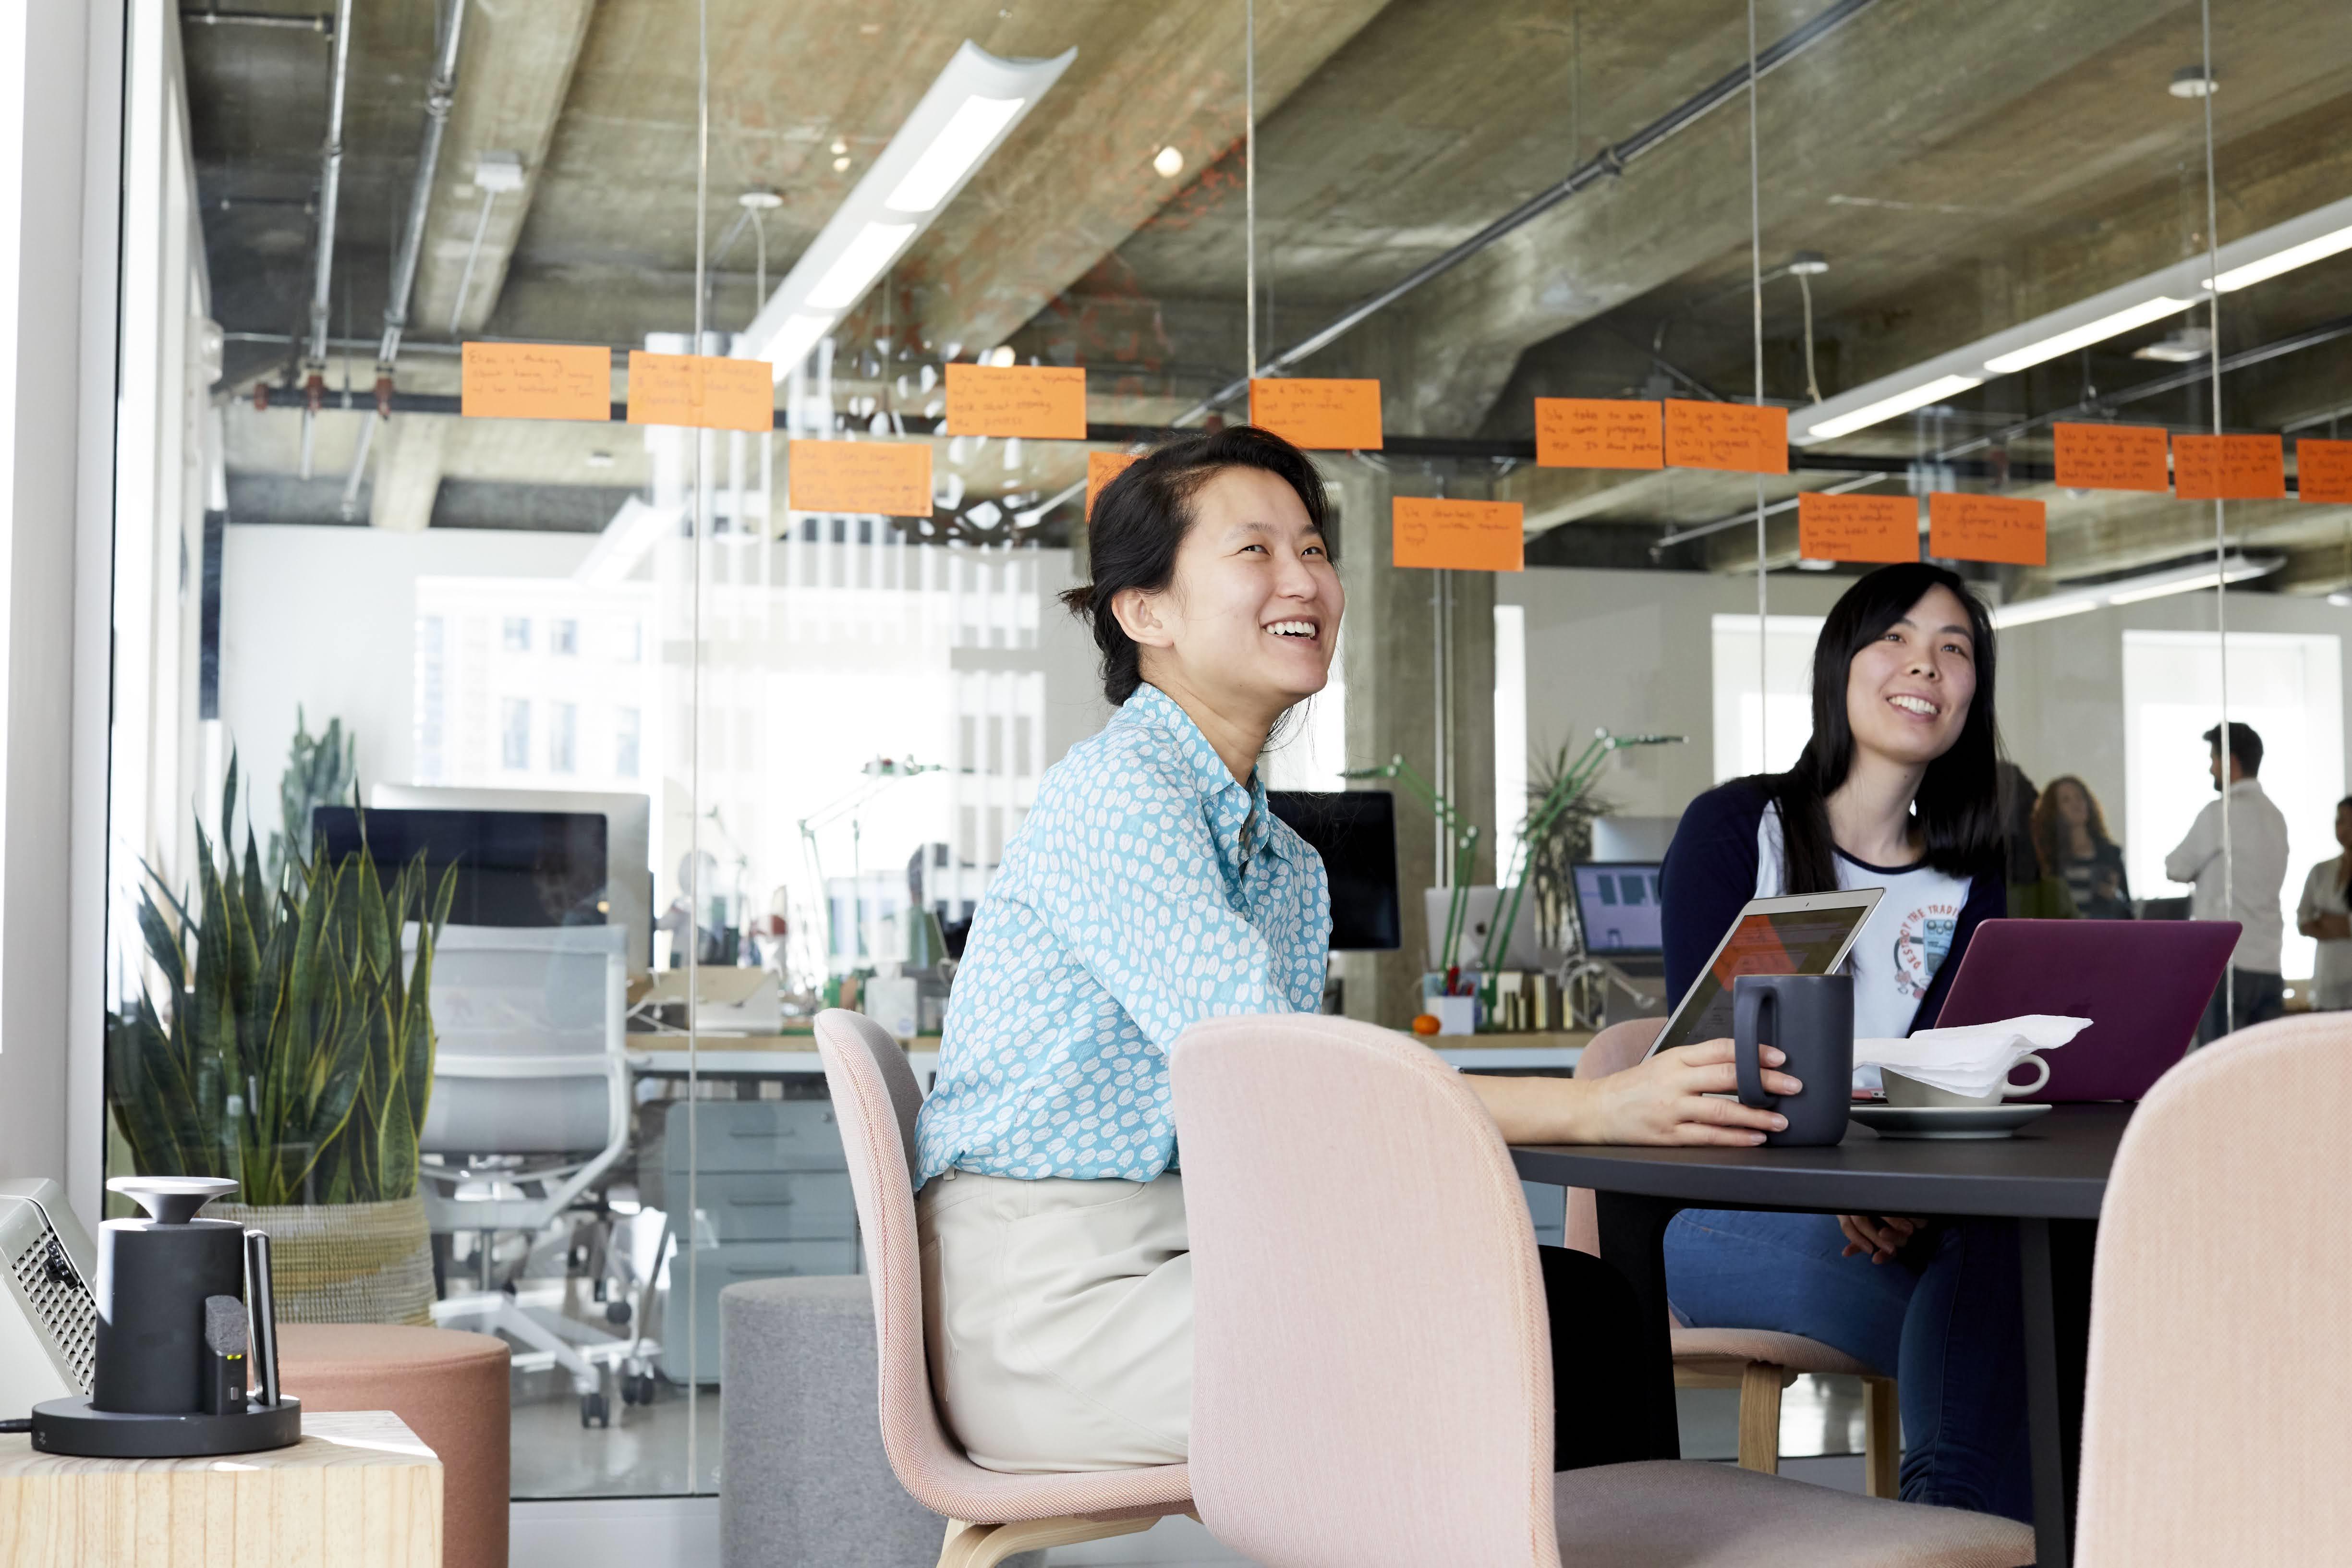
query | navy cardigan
(1710,874)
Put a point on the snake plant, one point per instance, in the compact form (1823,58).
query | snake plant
(279,1040)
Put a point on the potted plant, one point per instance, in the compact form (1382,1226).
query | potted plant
(284,1040)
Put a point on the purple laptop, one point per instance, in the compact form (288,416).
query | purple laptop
(2143,984)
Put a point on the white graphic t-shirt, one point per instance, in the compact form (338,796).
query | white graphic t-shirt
(1902,945)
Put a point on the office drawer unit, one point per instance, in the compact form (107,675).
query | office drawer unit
(731,1263)
(772,1196)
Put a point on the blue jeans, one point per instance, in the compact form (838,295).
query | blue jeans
(1943,1316)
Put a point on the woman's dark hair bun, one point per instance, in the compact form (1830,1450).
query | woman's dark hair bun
(1141,519)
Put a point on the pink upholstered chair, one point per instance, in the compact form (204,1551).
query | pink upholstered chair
(1757,1362)
(1372,1383)
(991,1516)
(2215,1425)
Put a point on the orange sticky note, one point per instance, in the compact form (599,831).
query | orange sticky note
(1737,437)
(2112,457)
(1319,412)
(1045,402)
(1987,528)
(702,391)
(893,478)
(1101,469)
(1856,528)
(536,381)
(2323,469)
(1462,535)
(1598,432)
(2229,468)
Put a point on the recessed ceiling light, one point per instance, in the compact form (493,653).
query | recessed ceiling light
(840,166)
(1000,356)
(1169,162)
(839,145)
(2193,81)
(760,200)
(1808,264)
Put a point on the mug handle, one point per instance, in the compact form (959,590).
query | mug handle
(1749,1004)
(2008,1089)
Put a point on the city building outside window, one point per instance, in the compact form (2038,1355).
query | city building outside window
(514,733)
(563,639)
(627,730)
(515,634)
(563,737)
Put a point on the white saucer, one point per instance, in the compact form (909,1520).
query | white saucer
(1946,1121)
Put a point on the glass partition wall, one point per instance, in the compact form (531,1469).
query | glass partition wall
(564,767)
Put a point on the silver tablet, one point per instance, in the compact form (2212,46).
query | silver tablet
(1806,933)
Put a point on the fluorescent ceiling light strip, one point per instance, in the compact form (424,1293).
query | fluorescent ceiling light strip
(845,281)
(2090,332)
(2286,260)
(798,336)
(2132,590)
(960,144)
(1919,396)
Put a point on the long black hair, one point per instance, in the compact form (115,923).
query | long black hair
(1141,517)
(1959,806)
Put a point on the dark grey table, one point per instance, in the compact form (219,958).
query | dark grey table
(2050,1179)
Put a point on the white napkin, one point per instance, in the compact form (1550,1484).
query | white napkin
(1970,1060)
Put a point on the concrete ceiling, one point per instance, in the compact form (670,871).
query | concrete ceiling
(1962,169)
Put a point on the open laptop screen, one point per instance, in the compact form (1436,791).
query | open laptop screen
(1617,907)
(1809,934)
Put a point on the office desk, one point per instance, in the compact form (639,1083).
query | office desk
(2050,1179)
(358,1489)
(771,1055)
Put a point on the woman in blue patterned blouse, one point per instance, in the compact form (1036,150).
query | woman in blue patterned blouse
(1149,887)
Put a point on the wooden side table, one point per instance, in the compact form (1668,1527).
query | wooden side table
(358,1489)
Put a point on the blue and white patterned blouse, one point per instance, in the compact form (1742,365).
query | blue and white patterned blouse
(1146,890)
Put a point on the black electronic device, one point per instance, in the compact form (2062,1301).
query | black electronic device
(186,1354)
(1355,831)
(514,867)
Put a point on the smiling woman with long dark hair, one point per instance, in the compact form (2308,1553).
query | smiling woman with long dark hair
(1897,788)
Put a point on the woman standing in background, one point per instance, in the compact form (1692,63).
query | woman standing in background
(2321,914)
(2071,833)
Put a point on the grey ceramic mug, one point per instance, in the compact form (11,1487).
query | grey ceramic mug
(1811,1019)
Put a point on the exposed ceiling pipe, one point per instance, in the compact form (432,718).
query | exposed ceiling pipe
(1608,163)
(322,268)
(319,23)
(438,94)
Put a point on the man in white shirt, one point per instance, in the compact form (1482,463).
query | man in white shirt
(2247,890)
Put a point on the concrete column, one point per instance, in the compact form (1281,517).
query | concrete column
(409,449)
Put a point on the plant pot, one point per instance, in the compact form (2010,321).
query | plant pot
(345,1263)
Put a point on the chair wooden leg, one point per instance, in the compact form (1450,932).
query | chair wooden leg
(986,1545)
(1760,1418)
(1881,1442)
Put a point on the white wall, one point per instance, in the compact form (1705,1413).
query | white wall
(324,619)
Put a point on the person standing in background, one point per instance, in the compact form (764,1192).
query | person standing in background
(2036,892)
(2246,891)
(2325,915)
(2070,832)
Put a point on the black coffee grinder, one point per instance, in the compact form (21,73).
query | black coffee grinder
(187,1337)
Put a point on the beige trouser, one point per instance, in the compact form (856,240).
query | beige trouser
(1059,1318)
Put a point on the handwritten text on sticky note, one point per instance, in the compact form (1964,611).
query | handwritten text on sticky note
(1987,528)
(701,391)
(1598,432)
(2111,457)
(1101,469)
(2229,468)
(536,381)
(1038,402)
(893,478)
(1321,414)
(1459,535)
(2322,470)
(1857,528)
(1737,437)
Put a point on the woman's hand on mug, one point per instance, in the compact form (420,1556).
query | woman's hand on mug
(1879,1236)
(1669,1099)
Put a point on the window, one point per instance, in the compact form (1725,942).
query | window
(514,634)
(629,646)
(562,638)
(626,734)
(562,737)
(1510,733)
(514,732)
(1761,725)
(2289,686)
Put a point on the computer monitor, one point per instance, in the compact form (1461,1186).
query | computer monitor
(514,867)
(1617,907)
(628,831)
(1355,831)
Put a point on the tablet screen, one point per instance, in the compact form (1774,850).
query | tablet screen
(1779,942)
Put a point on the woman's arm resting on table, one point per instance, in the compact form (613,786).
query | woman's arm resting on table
(1662,1101)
